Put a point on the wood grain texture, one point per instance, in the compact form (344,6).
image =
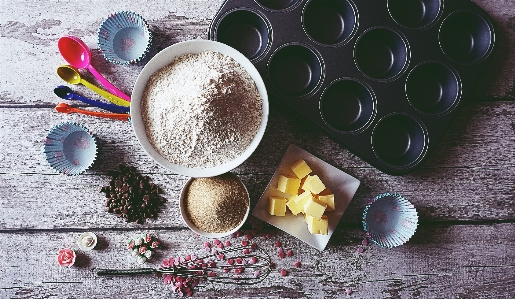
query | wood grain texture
(439,262)
(464,246)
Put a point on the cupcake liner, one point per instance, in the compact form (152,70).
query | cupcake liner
(390,219)
(70,148)
(124,38)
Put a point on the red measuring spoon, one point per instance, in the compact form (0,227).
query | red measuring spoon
(78,55)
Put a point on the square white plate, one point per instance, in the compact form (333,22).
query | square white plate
(342,185)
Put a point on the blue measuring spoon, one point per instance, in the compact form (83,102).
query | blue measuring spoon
(64,92)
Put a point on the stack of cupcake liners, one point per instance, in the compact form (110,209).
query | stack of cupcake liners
(70,148)
(124,38)
(390,219)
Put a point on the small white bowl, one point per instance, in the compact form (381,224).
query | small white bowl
(164,58)
(195,229)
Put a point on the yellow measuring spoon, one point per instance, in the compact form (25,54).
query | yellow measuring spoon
(72,76)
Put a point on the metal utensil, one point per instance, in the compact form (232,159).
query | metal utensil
(209,268)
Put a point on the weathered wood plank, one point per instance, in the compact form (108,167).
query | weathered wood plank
(439,261)
(32,33)
(469,177)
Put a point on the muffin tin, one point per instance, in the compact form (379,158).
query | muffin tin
(382,77)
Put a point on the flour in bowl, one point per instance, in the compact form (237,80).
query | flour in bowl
(202,110)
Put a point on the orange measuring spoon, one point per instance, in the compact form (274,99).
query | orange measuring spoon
(65,108)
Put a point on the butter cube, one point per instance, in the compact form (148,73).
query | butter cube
(302,199)
(300,168)
(302,181)
(328,200)
(314,208)
(317,226)
(293,206)
(313,184)
(277,206)
(288,185)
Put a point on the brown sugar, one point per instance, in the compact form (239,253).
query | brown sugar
(216,204)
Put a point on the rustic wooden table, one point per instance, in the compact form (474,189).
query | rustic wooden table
(465,194)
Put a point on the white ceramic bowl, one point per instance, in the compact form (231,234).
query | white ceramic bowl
(164,58)
(192,226)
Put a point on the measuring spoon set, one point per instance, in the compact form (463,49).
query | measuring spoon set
(78,55)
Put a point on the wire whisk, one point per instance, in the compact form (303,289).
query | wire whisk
(243,265)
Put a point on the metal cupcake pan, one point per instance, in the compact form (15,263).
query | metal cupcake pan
(382,77)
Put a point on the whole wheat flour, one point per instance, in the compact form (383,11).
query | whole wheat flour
(202,110)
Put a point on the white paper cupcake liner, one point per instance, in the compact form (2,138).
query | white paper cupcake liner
(390,219)
(124,38)
(70,148)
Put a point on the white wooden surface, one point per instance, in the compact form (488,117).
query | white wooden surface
(465,193)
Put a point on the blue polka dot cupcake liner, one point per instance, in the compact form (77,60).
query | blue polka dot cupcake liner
(390,220)
(124,38)
(70,148)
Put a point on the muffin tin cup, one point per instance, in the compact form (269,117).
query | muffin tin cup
(330,23)
(466,37)
(381,53)
(390,220)
(246,30)
(296,70)
(399,140)
(70,148)
(348,105)
(278,5)
(124,38)
(433,88)
(415,14)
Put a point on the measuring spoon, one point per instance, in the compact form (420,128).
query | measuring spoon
(72,76)
(64,92)
(65,108)
(77,54)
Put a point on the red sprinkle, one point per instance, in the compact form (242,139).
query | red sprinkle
(277,244)
(246,251)
(227,243)
(239,234)
(239,260)
(289,253)
(216,242)
(244,242)
(230,261)
(284,272)
(207,244)
(221,256)
(297,264)
(221,246)
(282,255)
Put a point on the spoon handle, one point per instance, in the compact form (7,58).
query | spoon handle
(108,84)
(105,106)
(111,97)
(98,114)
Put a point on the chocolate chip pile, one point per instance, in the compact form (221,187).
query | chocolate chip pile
(132,196)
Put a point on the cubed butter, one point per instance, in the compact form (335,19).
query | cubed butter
(317,226)
(288,185)
(302,199)
(328,200)
(300,168)
(277,206)
(314,208)
(293,206)
(302,181)
(313,184)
